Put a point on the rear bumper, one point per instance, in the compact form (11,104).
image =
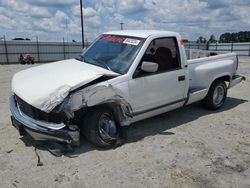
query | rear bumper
(235,80)
(40,130)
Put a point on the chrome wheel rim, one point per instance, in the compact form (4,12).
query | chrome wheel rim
(107,128)
(218,95)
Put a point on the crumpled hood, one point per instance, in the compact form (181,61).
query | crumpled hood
(46,86)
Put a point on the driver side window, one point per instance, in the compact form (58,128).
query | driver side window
(164,52)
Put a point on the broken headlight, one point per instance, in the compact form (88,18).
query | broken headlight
(71,104)
(66,108)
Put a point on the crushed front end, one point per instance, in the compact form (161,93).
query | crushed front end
(42,126)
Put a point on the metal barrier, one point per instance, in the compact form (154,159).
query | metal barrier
(42,52)
(242,49)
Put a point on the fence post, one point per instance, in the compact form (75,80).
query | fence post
(207,46)
(232,47)
(38,53)
(64,49)
(198,45)
(6,50)
(67,49)
(249,50)
(216,46)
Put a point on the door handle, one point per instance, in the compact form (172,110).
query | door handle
(181,78)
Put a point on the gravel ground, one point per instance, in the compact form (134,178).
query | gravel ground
(188,147)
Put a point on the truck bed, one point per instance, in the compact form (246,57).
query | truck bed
(196,53)
(202,72)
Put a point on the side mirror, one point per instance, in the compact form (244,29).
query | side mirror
(149,66)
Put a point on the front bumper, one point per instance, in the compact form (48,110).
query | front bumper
(235,80)
(40,130)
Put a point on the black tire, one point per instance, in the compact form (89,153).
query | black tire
(93,128)
(213,100)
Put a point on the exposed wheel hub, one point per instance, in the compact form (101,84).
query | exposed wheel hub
(107,127)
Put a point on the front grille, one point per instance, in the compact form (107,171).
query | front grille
(24,107)
(37,114)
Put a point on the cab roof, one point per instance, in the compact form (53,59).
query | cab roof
(142,33)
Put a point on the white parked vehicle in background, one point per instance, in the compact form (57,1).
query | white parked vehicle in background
(123,77)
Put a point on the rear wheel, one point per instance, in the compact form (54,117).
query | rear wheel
(216,95)
(100,128)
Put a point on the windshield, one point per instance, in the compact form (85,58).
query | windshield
(115,53)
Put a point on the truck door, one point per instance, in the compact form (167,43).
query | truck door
(166,86)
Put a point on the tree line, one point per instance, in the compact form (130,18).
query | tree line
(242,36)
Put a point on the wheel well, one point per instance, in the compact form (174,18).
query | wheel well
(114,107)
(224,78)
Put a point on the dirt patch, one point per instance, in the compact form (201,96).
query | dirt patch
(188,147)
(225,165)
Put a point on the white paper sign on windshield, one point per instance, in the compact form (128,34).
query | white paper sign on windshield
(134,42)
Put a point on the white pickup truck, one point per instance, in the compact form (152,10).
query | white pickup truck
(123,77)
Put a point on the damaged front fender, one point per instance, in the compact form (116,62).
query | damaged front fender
(102,93)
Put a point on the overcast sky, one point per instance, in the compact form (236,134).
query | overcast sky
(51,20)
